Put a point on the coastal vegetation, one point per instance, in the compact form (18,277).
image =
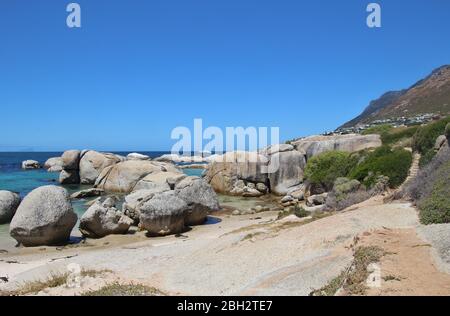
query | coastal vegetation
(324,169)
(352,280)
(392,163)
(118,289)
(425,138)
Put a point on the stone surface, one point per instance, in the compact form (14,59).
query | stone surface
(124,176)
(103,218)
(166,180)
(440,141)
(71,159)
(315,200)
(30,164)
(137,156)
(199,197)
(69,177)
(54,164)
(92,163)
(87,193)
(9,202)
(315,145)
(164,214)
(45,217)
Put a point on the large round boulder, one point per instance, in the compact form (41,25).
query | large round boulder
(199,197)
(9,201)
(123,177)
(92,163)
(71,159)
(287,171)
(54,164)
(163,214)
(45,217)
(103,218)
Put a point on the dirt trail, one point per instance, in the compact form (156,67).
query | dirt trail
(240,255)
(407,268)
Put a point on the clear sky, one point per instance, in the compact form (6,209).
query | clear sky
(137,69)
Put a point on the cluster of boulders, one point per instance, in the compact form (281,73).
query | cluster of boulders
(158,197)
(278,169)
(30,164)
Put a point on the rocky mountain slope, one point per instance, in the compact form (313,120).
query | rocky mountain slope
(429,95)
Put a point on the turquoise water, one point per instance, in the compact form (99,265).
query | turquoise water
(13,178)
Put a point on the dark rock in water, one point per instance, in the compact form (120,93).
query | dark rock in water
(30,164)
(87,193)
(45,217)
(71,159)
(69,177)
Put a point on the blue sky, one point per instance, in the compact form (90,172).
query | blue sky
(137,69)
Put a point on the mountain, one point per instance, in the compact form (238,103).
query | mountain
(429,95)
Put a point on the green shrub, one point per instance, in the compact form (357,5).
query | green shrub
(393,163)
(379,129)
(447,131)
(425,137)
(325,168)
(397,134)
(435,208)
(427,157)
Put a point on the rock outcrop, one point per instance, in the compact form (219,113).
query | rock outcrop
(103,218)
(92,192)
(164,214)
(315,145)
(45,217)
(92,163)
(30,164)
(54,164)
(276,169)
(123,177)
(9,202)
(198,196)
(70,165)
(137,156)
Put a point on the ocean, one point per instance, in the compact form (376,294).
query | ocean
(13,178)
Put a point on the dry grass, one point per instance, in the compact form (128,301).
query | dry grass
(118,289)
(53,281)
(353,280)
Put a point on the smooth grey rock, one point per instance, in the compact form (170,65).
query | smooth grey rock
(315,200)
(45,217)
(69,177)
(200,198)
(9,202)
(137,156)
(164,214)
(87,193)
(123,176)
(71,159)
(440,141)
(103,219)
(289,173)
(54,164)
(315,145)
